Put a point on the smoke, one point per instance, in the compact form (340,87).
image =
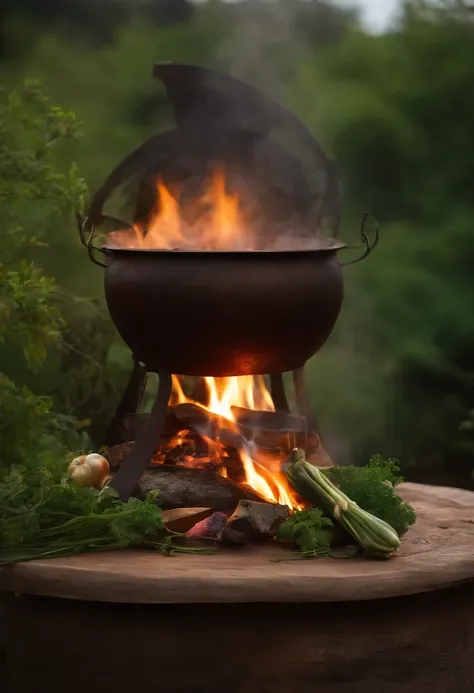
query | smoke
(263,44)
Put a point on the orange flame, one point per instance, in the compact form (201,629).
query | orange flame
(223,216)
(249,392)
(217,222)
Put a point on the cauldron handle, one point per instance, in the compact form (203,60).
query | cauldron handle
(86,234)
(366,244)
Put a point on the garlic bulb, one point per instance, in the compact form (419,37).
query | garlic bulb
(89,470)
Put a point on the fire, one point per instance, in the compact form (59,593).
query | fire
(249,392)
(212,221)
(219,213)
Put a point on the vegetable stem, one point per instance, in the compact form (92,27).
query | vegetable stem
(376,537)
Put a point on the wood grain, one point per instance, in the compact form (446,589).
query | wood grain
(437,552)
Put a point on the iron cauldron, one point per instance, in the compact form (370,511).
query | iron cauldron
(222,313)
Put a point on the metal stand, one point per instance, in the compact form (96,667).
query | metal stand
(302,400)
(277,388)
(128,476)
(129,404)
(148,440)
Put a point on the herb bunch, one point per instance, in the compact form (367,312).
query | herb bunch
(349,503)
(373,488)
(309,530)
(43,514)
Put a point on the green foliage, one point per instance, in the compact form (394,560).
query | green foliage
(372,487)
(309,530)
(28,315)
(84,378)
(30,182)
(376,537)
(30,188)
(43,514)
(37,320)
(33,193)
(23,417)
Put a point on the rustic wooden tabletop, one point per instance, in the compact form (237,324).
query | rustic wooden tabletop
(437,552)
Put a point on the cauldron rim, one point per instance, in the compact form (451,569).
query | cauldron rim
(331,247)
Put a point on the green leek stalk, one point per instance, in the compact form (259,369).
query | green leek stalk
(376,537)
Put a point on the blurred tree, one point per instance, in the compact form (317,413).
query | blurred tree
(163,12)
(29,318)
(92,22)
(399,112)
(34,192)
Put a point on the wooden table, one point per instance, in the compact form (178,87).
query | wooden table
(238,622)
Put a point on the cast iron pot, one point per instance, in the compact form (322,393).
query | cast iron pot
(224,313)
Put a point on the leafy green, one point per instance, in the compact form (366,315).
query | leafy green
(309,530)
(361,500)
(34,196)
(377,538)
(373,488)
(44,515)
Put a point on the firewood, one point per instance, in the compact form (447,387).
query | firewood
(210,528)
(181,487)
(252,521)
(274,430)
(183,519)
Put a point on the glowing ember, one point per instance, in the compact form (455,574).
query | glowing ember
(250,392)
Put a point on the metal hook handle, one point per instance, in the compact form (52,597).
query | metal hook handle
(86,234)
(366,244)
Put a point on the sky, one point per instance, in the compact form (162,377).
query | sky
(376,14)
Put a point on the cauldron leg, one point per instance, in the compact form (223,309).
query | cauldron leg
(200,392)
(128,476)
(129,404)
(302,401)
(278,392)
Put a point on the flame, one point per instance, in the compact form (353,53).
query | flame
(217,221)
(249,392)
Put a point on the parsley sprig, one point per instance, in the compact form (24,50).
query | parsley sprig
(44,515)
(309,530)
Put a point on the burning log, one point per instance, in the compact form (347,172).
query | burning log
(275,430)
(252,521)
(181,487)
(198,419)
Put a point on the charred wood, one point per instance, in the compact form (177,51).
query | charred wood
(180,487)
(252,521)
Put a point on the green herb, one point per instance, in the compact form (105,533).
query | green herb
(309,530)
(44,515)
(376,537)
(372,487)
